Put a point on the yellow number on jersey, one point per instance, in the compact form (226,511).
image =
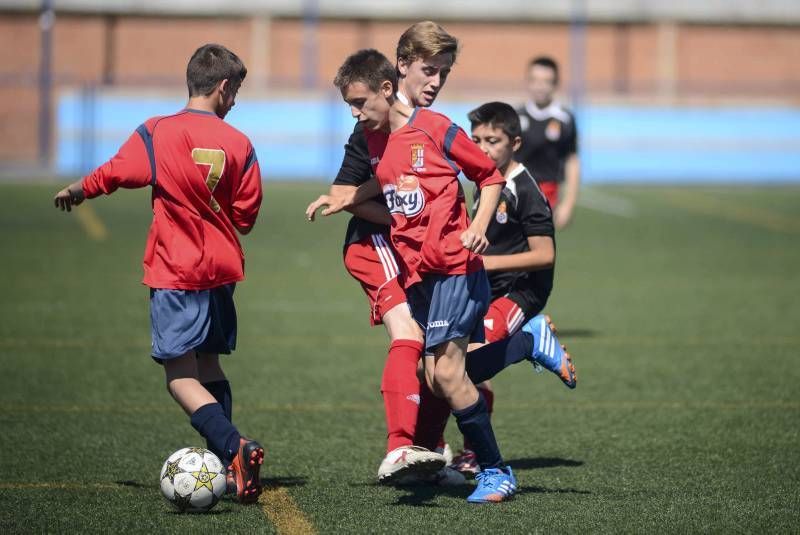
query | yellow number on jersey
(215,159)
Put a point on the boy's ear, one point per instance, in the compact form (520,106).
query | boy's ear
(402,67)
(224,86)
(516,144)
(387,88)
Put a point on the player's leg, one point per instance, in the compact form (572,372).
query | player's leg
(183,323)
(406,462)
(535,342)
(399,384)
(446,373)
(213,379)
(183,383)
(371,262)
(206,414)
(245,466)
(503,319)
(513,340)
(456,307)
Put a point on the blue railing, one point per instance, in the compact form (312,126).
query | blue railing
(302,139)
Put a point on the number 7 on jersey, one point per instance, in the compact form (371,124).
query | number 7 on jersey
(215,159)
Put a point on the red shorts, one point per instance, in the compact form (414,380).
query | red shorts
(502,320)
(550,190)
(371,262)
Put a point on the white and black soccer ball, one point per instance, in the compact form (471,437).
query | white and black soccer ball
(193,480)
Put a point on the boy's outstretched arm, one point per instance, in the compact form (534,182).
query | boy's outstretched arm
(370,210)
(128,168)
(70,196)
(344,200)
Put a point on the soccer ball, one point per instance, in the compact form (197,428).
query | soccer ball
(193,480)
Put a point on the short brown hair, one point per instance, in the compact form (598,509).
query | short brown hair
(497,115)
(209,65)
(425,39)
(367,66)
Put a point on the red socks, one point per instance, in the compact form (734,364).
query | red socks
(401,394)
(413,414)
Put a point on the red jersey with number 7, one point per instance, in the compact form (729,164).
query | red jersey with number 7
(418,173)
(206,183)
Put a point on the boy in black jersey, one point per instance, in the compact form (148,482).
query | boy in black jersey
(521,258)
(550,141)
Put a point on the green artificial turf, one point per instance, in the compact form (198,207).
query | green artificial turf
(681,307)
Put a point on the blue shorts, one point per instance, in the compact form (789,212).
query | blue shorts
(448,307)
(186,320)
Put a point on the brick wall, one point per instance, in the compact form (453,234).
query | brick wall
(622,60)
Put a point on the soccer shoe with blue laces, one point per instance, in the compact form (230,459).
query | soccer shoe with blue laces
(548,352)
(494,485)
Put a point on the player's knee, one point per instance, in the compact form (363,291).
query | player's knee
(401,326)
(445,381)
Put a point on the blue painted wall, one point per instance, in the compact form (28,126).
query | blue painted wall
(302,139)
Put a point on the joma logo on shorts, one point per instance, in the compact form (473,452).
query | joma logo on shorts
(438,323)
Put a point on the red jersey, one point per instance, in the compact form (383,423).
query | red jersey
(418,172)
(206,183)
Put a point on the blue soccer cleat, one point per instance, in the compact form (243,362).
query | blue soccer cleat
(494,485)
(548,352)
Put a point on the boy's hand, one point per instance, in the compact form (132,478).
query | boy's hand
(68,197)
(474,240)
(335,204)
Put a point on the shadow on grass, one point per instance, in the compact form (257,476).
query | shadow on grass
(288,481)
(133,484)
(423,495)
(529,463)
(420,495)
(576,333)
(533,489)
(214,512)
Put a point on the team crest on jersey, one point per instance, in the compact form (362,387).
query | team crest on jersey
(406,197)
(502,213)
(417,156)
(553,130)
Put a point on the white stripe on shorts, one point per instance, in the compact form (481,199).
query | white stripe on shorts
(389,254)
(516,317)
(385,256)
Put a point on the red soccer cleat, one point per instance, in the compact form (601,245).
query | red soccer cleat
(243,478)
